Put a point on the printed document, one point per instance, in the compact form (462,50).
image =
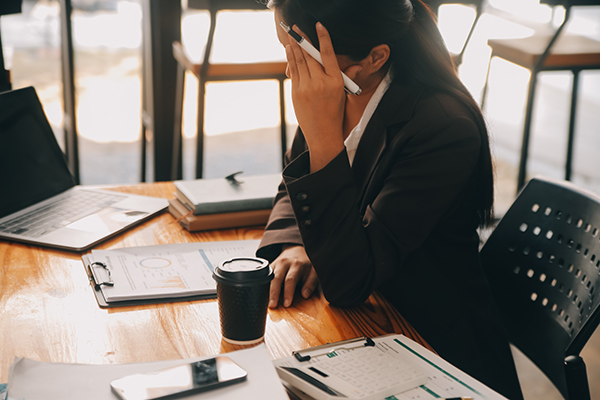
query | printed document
(163,271)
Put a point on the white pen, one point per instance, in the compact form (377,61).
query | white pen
(349,85)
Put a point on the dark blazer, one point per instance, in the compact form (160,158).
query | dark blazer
(402,220)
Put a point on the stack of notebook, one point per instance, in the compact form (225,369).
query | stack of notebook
(204,204)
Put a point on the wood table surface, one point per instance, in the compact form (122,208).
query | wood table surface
(48,311)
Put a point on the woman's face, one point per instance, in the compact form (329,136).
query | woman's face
(343,61)
(281,34)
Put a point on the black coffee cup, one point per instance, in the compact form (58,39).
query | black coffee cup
(243,295)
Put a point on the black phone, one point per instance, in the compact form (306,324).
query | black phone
(181,380)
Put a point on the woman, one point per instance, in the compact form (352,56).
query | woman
(385,190)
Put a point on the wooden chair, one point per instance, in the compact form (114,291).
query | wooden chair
(557,52)
(206,72)
(542,262)
(5,80)
(435,5)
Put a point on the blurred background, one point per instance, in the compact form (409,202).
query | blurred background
(107,39)
(242,118)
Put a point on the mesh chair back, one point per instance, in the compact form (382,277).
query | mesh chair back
(543,264)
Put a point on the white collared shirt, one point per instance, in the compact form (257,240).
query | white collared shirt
(353,138)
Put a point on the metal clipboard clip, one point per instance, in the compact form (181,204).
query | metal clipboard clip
(98,283)
(350,344)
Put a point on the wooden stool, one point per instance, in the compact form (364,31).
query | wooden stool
(205,72)
(547,53)
(7,7)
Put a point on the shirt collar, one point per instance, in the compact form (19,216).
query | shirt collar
(355,135)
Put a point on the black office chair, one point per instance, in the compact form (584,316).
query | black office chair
(542,263)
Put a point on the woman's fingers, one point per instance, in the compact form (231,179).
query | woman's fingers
(314,67)
(280,270)
(298,60)
(291,69)
(292,279)
(310,78)
(291,268)
(353,70)
(310,284)
(328,57)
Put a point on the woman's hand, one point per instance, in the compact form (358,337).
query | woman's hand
(319,98)
(291,268)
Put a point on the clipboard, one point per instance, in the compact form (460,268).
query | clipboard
(165,273)
(96,283)
(443,379)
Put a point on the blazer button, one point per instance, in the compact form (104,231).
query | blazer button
(307,223)
(305,209)
(301,196)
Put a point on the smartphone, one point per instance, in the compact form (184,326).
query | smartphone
(179,381)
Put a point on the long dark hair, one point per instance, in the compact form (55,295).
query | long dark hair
(418,55)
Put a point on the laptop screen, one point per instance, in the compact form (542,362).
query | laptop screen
(32,165)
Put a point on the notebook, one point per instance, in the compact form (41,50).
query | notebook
(40,203)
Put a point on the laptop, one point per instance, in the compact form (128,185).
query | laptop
(39,201)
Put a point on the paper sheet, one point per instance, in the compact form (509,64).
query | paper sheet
(173,270)
(444,380)
(34,380)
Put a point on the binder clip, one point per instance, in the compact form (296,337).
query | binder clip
(99,283)
(231,178)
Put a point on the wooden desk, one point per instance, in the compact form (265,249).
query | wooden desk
(48,311)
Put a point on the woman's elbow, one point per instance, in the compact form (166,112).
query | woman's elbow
(347,296)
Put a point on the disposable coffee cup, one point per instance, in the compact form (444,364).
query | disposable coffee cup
(243,295)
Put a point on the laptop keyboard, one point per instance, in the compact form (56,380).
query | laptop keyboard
(58,214)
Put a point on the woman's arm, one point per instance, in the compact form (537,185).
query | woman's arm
(318,96)
(282,244)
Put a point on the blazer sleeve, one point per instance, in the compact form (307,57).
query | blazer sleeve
(282,227)
(355,248)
